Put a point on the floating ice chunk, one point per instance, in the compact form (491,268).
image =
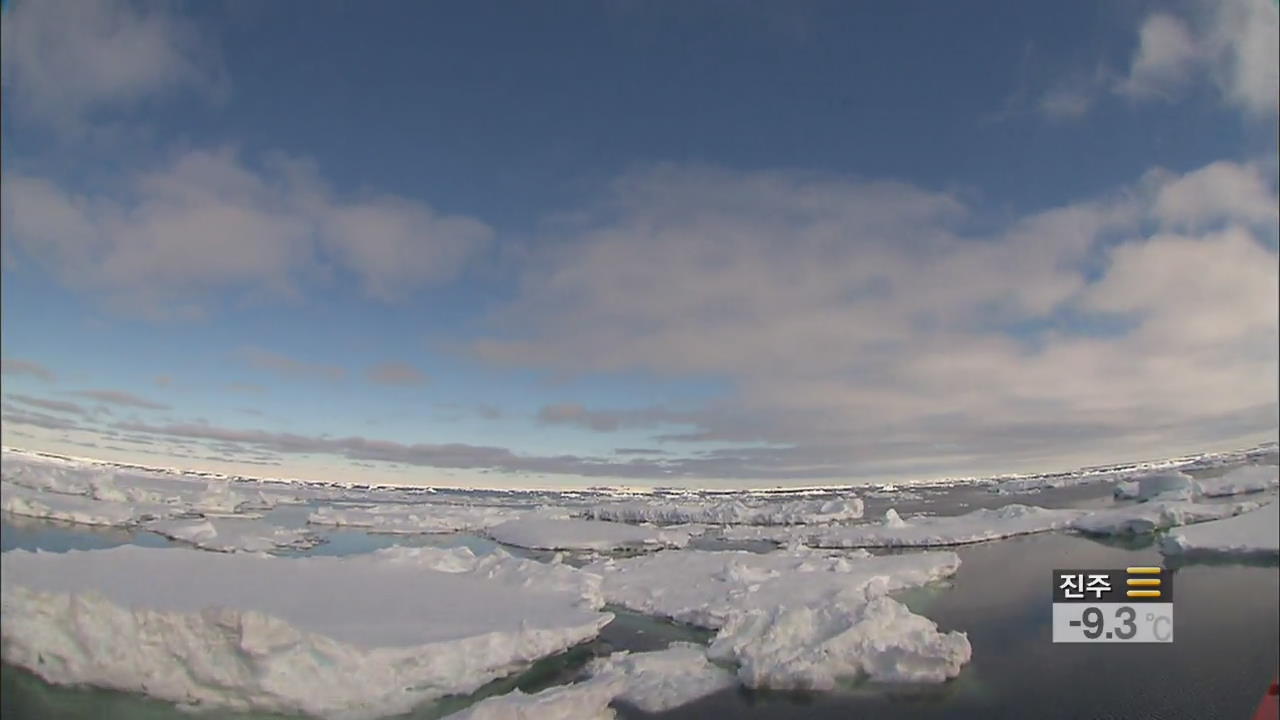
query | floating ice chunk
(233,534)
(797,618)
(1126,490)
(921,531)
(20,500)
(581,701)
(1256,532)
(354,637)
(1164,485)
(1145,518)
(729,512)
(664,679)
(1249,479)
(413,519)
(571,534)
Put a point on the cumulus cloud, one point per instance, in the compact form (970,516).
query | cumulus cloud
(119,397)
(164,241)
(64,60)
(862,331)
(287,366)
(13,366)
(1233,44)
(400,374)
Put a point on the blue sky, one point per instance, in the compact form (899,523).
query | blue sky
(704,243)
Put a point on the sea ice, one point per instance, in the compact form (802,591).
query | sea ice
(234,534)
(353,637)
(21,500)
(413,519)
(664,679)
(1256,532)
(1147,517)
(1248,479)
(729,512)
(571,534)
(1163,485)
(587,700)
(929,531)
(797,619)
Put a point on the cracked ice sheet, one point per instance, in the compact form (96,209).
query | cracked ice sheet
(1147,517)
(20,500)
(797,619)
(413,519)
(728,512)
(1253,533)
(233,534)
(1250,479)
(920,530)
(354,637)
(544,533)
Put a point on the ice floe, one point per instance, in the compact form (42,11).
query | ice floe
(588,700)
(1252,533)
(412,519)
(1248,479)
(234,534)
(1147,517)
(797,619)
(1162,485)
(930,531)
(663,679)
(729,512)
(21,500)
(354,637)
(549,533)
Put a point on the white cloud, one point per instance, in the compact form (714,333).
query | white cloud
(860,329)
(64,60)
(164,241)
(1165,56)
(1217,192)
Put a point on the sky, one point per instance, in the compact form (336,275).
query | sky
(710,243)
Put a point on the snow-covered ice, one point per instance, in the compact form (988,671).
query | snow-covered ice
(929,531)
(354,637)
(233,534)
(413,519)
(1256,532)
(797,619)
(548,533)
(1162,485)
(21,500)
(663,679)
(1148,517)
(729,512)
(1248,479)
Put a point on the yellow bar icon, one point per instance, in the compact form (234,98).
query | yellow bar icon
(1143,593)
(1143,582)
(1143,570)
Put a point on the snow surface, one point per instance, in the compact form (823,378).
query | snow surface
(234,534)
(1145,518)
(797,619)
(1256,532)
(1248,479)
(729,512)
(571,534)
(664,679)
(413,519)
(354,637)
(20,500)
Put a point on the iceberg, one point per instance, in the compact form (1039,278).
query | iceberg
(1253,533)
(233,534)
(348,638)
(546,533)
(797,619)
(1248,479)
(729,512)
